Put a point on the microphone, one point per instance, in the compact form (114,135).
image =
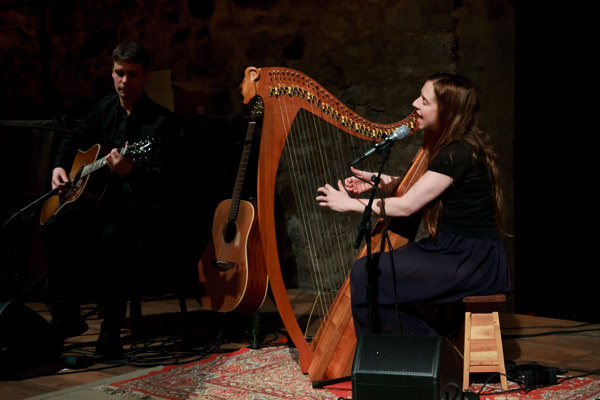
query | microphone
(400,133)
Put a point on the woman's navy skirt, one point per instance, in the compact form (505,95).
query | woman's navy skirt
(440,270)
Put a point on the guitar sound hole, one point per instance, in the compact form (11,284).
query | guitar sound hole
(229,232)
(69,192)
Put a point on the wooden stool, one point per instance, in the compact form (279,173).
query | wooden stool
(483,342)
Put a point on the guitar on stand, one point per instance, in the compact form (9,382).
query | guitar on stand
(232,268)
(85,163)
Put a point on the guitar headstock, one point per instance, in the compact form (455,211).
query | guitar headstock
(139,151)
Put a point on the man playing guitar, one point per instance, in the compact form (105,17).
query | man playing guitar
(131,203)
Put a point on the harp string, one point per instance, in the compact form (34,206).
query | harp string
(321,270)
(302,135)
(326,144)
(334,231)
(296,164)
(311,170)
(329,243)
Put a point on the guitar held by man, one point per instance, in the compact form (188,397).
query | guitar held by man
(70,187)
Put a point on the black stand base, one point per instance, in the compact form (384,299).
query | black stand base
(322,384)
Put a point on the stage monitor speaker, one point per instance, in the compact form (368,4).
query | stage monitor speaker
(26,338)
(406,367)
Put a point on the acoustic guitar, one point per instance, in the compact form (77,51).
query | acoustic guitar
(86,163)
(232,269)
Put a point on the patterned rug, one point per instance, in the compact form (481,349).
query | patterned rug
(570,389)
(273,373)
(269,373)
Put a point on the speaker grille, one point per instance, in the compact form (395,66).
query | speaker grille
(405,367)
(417,356)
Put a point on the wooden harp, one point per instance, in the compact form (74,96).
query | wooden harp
(305,128)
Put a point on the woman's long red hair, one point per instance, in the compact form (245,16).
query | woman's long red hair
(458,119)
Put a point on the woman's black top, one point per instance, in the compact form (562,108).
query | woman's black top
(468,204)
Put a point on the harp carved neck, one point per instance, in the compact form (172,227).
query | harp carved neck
(288,85)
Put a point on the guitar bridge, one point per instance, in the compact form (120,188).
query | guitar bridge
(222,265)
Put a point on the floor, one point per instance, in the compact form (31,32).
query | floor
(167,338)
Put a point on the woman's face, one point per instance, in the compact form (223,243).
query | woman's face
(426,106)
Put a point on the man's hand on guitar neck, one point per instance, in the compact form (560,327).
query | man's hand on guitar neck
(119,164)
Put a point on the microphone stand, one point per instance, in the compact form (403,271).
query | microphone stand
(45,341)
(17,214)
(364,230)
(22,211)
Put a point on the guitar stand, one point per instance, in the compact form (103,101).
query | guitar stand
(254,331)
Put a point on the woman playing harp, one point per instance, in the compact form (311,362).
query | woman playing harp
(460,195)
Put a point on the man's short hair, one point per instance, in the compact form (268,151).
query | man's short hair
(133,53)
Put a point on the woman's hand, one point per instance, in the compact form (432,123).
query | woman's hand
(425,190)
(336,199)
(356,184)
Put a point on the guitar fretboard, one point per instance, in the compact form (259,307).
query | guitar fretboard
(96,165)
(239,180)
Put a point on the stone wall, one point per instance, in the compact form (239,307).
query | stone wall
(374,55)
(371,54)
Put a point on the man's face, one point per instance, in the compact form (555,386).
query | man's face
(129,80)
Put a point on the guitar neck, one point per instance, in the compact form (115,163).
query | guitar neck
(99,163)
(239,180)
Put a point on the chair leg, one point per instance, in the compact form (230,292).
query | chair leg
(182,304)
(483,347)
(467,352)
(135,303)
(500,350)
(135,315)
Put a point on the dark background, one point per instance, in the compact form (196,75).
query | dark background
(529,64)
(555,125)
